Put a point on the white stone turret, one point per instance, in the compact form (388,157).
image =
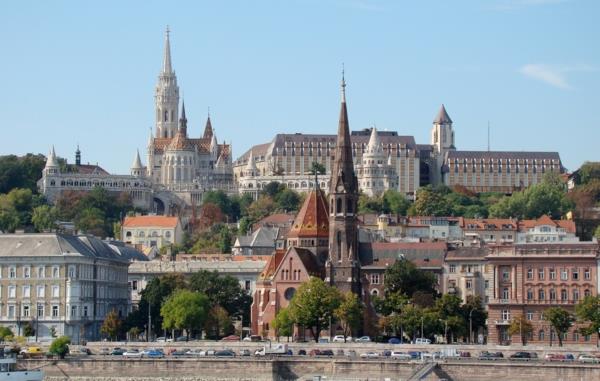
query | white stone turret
(375,173)
(52,166)
(214,146)
(442,134)
(251,169)
(374,149)
(167,96)
(136,168)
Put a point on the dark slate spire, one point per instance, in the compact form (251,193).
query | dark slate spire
(208,130)
(442,116)
(343,167)
(183,120)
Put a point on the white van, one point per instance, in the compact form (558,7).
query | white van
(422,340)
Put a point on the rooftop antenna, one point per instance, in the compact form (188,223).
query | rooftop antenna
(488,136)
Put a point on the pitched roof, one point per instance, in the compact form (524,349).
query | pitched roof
(470,253)
(150,221)
(180,143)
(495,155)
(313,219)
(442,116)
(489,224)
(568,225)
(277,219)
(88,169)
(423,254)
(272,264)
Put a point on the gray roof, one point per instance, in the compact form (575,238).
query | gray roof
(495,155)
(54,244)
(476,253)
(442,116)
(265,236)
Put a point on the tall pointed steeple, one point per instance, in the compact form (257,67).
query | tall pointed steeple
(167,68)
(208,129)
(166,96)
(343,269)
(183,120)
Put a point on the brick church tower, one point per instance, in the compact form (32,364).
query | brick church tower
(343,268)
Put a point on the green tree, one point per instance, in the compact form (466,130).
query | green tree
(111,325)
(5,333)
(272,189)
(153,297)
(588,311)
(520,325)
(283,324)
(349,313)
(395,202)
(222,290)
(28,330)
(560,319)
(91,220)
(134,333)
(314,304)
(221,200)
(316,168)
(9,219)
(218,323)
(287,200)
(432,202)
(184,309)
(368,204)
(450,312)
(21,172)
(60,346)
(474,314)
(260,208)
(589,171)
(44,218)
(404,277)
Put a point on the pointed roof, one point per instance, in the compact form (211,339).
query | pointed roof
(343,167)
(374,146)
(180,142)
(137,163)
(214,145)
(51,161)
(313,219)
(208,130)
(251,165)
(167,68)
(442,116)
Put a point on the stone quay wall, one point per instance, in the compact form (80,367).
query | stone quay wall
(278,369)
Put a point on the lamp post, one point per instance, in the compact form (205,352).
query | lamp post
(471,325)
(422,318)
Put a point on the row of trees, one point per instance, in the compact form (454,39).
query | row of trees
(587,313)
(411,308)
(206,302)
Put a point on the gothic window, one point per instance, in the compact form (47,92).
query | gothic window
(339,245)
(166,115)
(172,116)
(349,206)
(338,206)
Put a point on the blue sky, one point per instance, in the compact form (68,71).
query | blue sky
(84,72)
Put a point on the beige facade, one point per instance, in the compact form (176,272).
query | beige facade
(463,274)
(61,283)
(152,231)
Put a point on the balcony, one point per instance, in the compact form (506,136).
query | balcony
(502,322)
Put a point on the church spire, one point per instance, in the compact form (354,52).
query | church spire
(208,129)
(167,68)
(343,167)
(183,120)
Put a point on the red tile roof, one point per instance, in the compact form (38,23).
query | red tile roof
(568,225)
(154,221)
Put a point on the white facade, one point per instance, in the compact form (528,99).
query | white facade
(375,171)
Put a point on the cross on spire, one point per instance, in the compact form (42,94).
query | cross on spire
(343,84)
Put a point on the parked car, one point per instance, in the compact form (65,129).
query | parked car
(369,355)
(153,353)
(465,354)
(386,353)
(253,338)
(363,339)
(400,355)
(314,352)
(231,338)
(351,353)
(225,353)
(161,339)
(194,352)
(339,352)
(342,339)
(394,340)
(117,352)
(181,338)
(422,340)
(32,351)
(104,351)
(326,352)
(585,358)
(301,352)
(414,355)
(178,353)
(569,357)
(244,352)
(208,352)
(520,356)
(132,353)
(81,351)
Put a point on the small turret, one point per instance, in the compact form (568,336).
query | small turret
(251,169)
(137,169)
(78,156)
(52,166)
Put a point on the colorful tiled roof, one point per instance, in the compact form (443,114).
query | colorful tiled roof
(568,225)
(313,219)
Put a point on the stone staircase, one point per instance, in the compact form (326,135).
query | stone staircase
(422,371)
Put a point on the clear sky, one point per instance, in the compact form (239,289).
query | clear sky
(84,72)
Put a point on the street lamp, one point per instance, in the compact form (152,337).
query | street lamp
(422,318)
(471,325)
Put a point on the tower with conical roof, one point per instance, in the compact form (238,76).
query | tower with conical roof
(343,268)
(375,173)
(166,96)
(442,134)
(137,169)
